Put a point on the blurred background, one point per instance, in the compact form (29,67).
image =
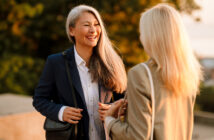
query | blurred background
(30,30)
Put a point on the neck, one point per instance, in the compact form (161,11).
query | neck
(85,53)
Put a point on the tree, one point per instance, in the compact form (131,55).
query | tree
(31,30)
(122,19)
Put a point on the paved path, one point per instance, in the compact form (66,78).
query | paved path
(203,132)
(12,104)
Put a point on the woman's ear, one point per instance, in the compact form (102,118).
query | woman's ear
(71,29)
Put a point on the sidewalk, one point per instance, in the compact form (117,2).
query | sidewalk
(204,126)
(13,104)
(20,121)
(203,132)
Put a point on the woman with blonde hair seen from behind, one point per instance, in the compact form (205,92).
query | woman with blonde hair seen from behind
(176,75)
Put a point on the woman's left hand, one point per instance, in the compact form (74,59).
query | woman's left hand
(103,108)
(115,107)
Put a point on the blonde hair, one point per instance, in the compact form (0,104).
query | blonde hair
(105,65)
(164,38)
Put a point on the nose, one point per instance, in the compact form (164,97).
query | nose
(92,29)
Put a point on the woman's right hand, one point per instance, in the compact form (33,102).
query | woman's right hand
(72,115)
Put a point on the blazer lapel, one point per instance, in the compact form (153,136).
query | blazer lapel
(75,74)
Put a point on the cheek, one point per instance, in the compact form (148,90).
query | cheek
(83,30)
(98,30)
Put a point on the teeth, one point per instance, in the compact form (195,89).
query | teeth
(92,37)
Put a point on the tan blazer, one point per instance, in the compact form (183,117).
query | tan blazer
(173,115)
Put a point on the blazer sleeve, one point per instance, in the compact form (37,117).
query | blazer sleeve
(45,91)
(137,125)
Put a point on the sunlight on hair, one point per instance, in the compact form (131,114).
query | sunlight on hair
(165,40)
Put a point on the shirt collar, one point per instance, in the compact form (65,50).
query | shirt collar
(79,60)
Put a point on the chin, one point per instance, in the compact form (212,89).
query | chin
(92,45)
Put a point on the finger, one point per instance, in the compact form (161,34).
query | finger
(116,108)
(71,111)
(69,114)
(77,110)
(104,106)
(74,114)
(73,122)
(121,112)
(117,104)
(70,117)
(125,104)
(101,112)
(119,101)
(75,118)
(103,109)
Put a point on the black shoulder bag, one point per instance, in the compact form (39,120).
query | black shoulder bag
(56,130)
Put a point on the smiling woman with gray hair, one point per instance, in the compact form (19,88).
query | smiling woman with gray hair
(96,72)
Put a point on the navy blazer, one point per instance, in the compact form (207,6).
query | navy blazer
(54,91)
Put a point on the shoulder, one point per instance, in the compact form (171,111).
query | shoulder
(137,71)
(54,57)
(59,56)
(138,79)
(54,60)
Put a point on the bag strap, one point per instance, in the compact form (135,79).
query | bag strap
(69,78)
(72,89)
(152,97)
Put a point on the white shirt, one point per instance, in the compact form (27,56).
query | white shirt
(91,94)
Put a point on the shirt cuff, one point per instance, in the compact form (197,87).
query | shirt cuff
(108,120)
(60,114)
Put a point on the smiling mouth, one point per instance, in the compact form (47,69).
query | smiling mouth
(92,38)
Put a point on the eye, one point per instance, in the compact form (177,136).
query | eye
(97,24)
(86,25)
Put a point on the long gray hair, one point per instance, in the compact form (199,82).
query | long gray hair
(105,65)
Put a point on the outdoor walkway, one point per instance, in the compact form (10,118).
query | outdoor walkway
(203,132)
(20,121)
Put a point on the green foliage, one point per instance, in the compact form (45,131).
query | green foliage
(122,21)
(205,101)
(31,30)
(19,74)
(15,19)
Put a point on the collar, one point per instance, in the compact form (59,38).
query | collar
(79,60)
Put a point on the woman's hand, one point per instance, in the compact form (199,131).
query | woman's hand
(117,108)
(72,115)
(103,108)
(123,108)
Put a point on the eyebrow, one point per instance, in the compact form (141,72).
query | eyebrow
(85,22)
(90,22)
